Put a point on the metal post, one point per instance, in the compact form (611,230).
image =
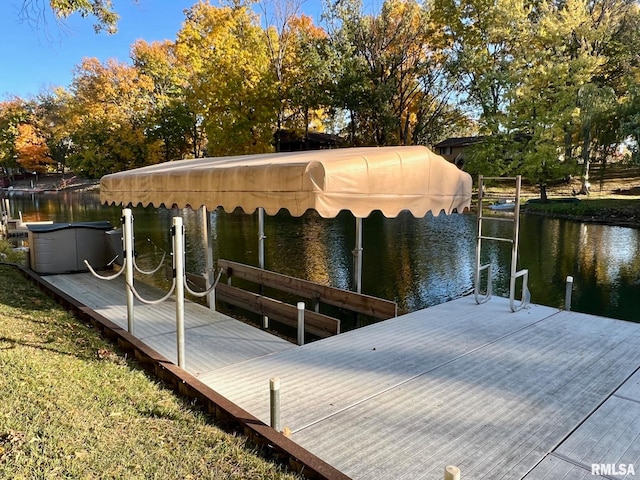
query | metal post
(357,256)
(567,293)
(261,237)
(451,472)
(300,323)
(208,257)
(274,388)
(178,266)
(128,246)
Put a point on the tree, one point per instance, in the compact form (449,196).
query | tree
(170,120)
(52,124)
(13,113)
(31,149)
(308,77)
(393,76)
(107,118)
(277,17)
(231,88)
(102,10)
(483,36)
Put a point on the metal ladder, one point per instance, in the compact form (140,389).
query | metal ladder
(524,273)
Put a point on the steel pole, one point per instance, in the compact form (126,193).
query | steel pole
(178,265)
(128,246)
(357,257)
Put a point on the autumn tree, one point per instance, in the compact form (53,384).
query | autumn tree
(107,118)
(393,78)
(230,81)
(13,113)
(170,120)
(31,149)
(49,115)
(103,12)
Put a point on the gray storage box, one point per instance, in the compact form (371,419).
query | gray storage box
(63,247)
(114,243)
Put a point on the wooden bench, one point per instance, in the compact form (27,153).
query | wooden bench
(315,323)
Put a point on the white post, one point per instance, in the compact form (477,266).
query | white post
(274,389)
(567,293)
(300,323)
(451,473)
(208,259)
(128,246)
(178,266)
(357,254)
(261,237)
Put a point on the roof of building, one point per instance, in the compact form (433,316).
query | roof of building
(459,141)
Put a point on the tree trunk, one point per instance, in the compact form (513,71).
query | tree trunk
(586,154)
(543,193)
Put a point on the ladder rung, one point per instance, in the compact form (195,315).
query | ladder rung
(498,219)
(510,240)
(499,178)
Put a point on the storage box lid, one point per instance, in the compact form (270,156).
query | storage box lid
(100,225)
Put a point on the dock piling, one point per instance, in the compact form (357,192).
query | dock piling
(451,472)
(301,307)
(274,388)
(567,293)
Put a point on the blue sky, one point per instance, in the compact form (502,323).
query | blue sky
(37,55)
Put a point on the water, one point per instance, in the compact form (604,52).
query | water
(416,262)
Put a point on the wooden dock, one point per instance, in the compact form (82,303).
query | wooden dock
(536,394)
(212,340)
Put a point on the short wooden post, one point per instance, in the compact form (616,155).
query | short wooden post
(567,293)
(451,472)
(300,323)
(274,387)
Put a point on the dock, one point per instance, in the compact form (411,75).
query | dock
(537,394)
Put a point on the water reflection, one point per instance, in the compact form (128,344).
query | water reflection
(416,262)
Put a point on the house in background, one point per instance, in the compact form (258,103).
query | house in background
(453,148)
(293,141)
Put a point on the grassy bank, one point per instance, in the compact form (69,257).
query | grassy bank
(611,211)
(73,407)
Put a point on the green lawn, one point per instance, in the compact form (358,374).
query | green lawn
(73,407)
(613,211)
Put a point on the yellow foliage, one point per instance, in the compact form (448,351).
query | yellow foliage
(31,148)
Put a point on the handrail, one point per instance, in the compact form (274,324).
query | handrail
(526,295)
(476,291)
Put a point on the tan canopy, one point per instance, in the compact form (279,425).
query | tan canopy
(389,179)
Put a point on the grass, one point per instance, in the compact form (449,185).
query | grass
(614,197)
(615,211)
(73,407)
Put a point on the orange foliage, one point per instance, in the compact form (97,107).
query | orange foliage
(32,150)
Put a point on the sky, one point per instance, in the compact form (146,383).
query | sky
(39,55)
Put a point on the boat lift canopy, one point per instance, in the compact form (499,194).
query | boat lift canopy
(359,180)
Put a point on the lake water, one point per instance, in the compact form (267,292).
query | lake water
(416,262)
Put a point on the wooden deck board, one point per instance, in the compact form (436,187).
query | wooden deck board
(631,388)
(335,373)
(537,394)
(609,436)
(554,468)
(212,340)
(513,401)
